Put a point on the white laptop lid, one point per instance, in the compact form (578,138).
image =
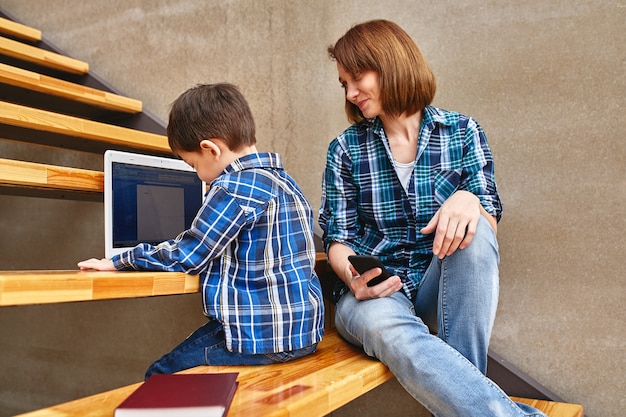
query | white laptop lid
(147,199)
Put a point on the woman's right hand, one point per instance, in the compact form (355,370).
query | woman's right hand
(358,283)
(338,257)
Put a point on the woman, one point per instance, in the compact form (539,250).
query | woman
(413,185)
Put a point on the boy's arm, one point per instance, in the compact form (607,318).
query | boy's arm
(215,226)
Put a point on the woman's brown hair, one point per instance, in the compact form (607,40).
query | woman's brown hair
(407,83)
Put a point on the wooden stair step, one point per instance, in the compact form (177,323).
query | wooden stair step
(313,386)
(42,57)
(42,120)
(30,80)
(554,409)
(19,30)
(44,287)
(47,287)
(42,176)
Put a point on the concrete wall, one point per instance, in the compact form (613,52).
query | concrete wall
(545,78)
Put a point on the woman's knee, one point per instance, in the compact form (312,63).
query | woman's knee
(484,246)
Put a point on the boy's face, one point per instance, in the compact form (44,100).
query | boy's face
(208,162)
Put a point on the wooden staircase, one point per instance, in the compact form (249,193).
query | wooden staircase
(48,100)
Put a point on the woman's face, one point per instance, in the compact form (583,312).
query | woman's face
(363,90)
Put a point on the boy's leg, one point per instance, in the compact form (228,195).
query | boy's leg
(207,346)
(458,296)
(189,353)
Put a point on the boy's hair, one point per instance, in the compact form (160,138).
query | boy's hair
(207,111)
(407,83)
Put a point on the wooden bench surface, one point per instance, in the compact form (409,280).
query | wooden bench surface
(31,118)
(49,85)
(19,30)
(46,287)
(43,287)
(313,386)
(42,57)
(41,176)
(554,409)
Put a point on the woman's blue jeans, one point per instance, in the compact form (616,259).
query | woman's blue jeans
(207,346)
(457,300)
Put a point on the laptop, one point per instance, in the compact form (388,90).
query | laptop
(147,199)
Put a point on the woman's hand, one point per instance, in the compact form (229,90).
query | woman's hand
(358,284)
(454,223)
(338,257)
(97,264)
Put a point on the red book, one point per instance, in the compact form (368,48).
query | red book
(189,395)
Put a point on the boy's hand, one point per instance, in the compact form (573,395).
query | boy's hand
(97,264)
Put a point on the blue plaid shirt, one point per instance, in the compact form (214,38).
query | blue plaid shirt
(365,207)
(252,245)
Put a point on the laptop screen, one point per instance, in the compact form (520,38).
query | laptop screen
(150,200)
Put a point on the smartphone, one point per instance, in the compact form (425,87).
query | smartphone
(363,263)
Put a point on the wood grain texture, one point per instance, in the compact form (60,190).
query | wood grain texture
(49,85)
(554,409)
(42,57)
(44,287)
(48,287)
(19,30)
(31,118)
(41,176)
(313,386)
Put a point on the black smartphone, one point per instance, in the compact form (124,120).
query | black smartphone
(363,263)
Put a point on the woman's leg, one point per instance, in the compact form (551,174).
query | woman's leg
(431,371)
(458,296)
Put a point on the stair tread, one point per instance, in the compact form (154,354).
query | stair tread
(35,175)
(49,85)
(31,118)
(43,287)
(19,30)
(42,57)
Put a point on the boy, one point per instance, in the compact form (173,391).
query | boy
(251,243)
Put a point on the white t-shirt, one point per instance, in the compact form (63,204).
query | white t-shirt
(404,172)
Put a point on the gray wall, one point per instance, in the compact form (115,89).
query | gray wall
(545,78)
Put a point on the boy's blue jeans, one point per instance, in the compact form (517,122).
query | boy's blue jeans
(457,298)
(207,346)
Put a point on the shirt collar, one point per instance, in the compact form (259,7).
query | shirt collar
(374,125)
(431,116)
(268,160)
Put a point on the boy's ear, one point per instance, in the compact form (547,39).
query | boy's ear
(210,146)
